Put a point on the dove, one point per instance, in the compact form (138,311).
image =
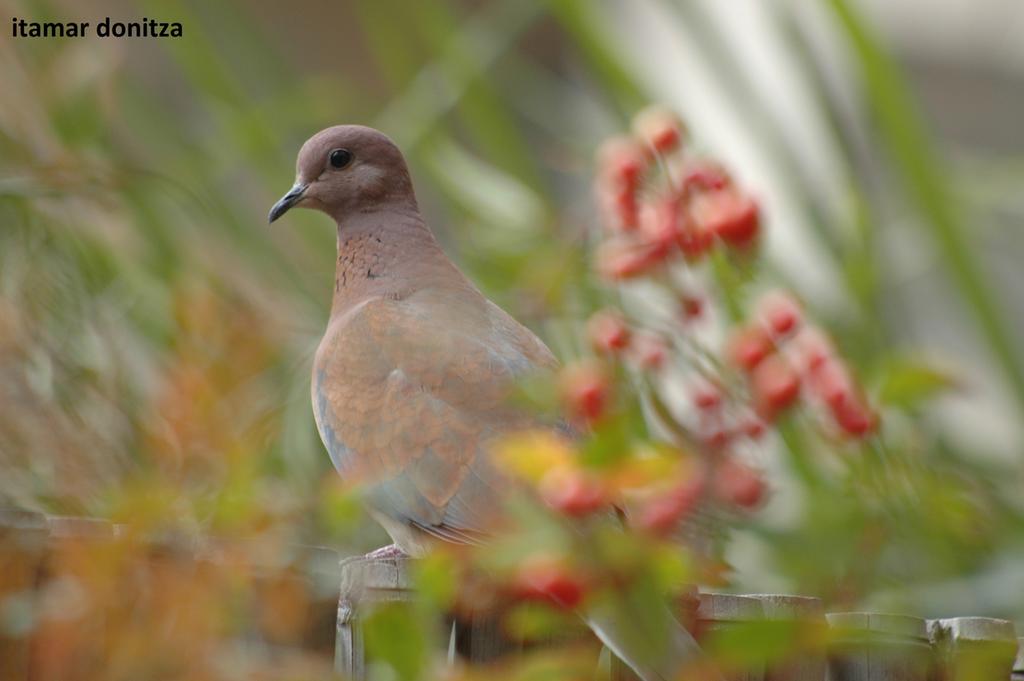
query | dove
(412,377)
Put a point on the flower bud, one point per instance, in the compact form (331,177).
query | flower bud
(706,397)
(659,128)
(832,383)
(660,222)
(574,492)
(748,346)
(620,259)
(779,312)
(586,390)
(625,208)
(692,307)
(774,385)
(650,351)
(705,176)
(717,439)
(663,512)
(622,162)
(729,215)
(608,332)
(694,240)
(544,577)
(739,484)
(753,428)
(813,349)
(854,418)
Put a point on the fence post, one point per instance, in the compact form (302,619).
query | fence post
(869,646)
(974,648)
(71,649)
(807,617)
(364,582)
(475,636)
(23,538)
(717,614)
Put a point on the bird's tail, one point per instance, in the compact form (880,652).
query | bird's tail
(646,636)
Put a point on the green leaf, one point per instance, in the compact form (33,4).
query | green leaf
(613,439)
(538,621)
(908,383)
(340,509)
(748,645)
(436,579)
(396,636)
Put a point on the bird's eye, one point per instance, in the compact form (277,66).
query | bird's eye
(340,158)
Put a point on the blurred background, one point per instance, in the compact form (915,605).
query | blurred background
(156,336)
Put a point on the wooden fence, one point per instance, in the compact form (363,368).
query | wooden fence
(862,646)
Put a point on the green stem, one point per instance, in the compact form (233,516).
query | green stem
(799,456)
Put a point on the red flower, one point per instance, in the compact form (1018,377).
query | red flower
(622,162)
(625,208)
(775,386)
(706,397)
(754,428)
(608,332)
(585,390)
(832,383)
(549,578)
(748,347)
(854,418)
(650,351)
(739,484)
(692,307)
(717,439)
(705,176)
(659,128)
(780,313)
(620,259)
(574,492)
(662,513)
(813,349)
(694,240)
(729,215)
(659,222)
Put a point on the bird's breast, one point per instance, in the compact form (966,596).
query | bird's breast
(336,387)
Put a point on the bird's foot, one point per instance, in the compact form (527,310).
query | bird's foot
(387,552)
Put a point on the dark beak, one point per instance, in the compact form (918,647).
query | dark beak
(293,196)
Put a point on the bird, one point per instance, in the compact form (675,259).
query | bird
(412,378)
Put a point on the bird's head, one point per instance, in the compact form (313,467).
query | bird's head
(346,169)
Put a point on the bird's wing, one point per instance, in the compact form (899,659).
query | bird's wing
(409,394)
